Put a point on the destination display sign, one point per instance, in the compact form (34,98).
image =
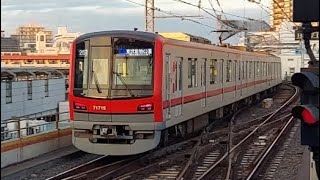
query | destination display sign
(135,52)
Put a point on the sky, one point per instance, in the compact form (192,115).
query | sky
(100,15)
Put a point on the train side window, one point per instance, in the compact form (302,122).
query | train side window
(247,69)
(264,69)
(267,68)
(275,70)
(221,71)
(240,69)
(228,71)
(243,68)
(213,71)
(270,69)
(250,69)
(192,72)
(180,60)
(174,76)
(235,69)
(258,69)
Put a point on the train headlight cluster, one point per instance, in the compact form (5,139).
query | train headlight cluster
(79,106)
(145,107)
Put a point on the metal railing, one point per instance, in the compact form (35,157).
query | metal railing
(13,129)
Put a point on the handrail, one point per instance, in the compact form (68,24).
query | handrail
(18,127)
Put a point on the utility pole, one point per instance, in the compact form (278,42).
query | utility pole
(149,15)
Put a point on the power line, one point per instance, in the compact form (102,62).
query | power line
(215,16)
(271,14)
(262,7)
(214,10)
(172,14)
(206,11)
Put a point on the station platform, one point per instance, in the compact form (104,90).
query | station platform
(307,169)
(36,164)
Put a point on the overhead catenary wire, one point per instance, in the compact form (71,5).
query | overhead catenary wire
(172,14)
(262,7)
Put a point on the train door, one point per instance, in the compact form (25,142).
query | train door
(244,77)
(203,71)
(168,86)
(177,85)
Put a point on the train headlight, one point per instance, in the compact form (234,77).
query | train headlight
(145,107)
(79,106)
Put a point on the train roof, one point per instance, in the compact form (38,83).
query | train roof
(148,36)
(120,33)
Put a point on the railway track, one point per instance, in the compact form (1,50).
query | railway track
(200,155)
(276,157)
(221,167)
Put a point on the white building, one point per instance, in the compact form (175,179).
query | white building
(61,43)
(292,59)
(34,93)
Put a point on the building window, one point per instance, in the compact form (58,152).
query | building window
(290,59)
(8,92)
(42,38)
(192,73)
(53,62)
(291,70)
(228,70)
(213,71)
(29,86)
(46,88)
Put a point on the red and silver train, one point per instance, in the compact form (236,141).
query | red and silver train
(130,90)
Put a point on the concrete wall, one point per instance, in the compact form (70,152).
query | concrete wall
(21,106)
(15,151)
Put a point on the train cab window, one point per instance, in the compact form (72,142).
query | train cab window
(81,67)
(213,71)
(228,71)
(192,72)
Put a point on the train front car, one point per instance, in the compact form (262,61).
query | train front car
(115,93)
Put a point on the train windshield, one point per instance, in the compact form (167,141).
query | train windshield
(114,68)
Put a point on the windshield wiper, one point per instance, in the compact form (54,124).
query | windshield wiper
(96,81)
(124,83)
